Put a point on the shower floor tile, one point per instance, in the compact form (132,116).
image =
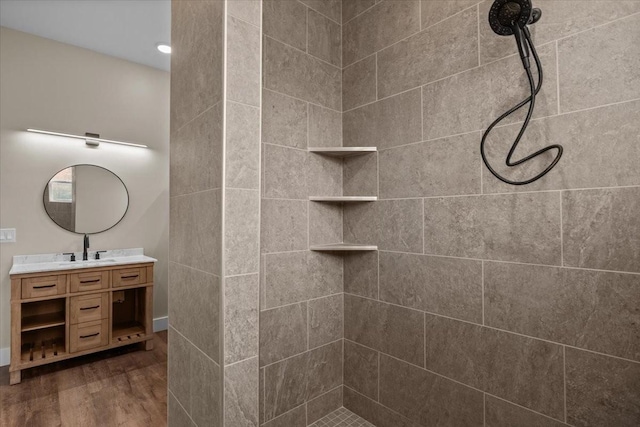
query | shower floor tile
(342,418)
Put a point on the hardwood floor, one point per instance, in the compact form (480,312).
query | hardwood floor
(121,387)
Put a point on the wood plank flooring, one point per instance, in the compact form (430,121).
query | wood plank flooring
(120,387)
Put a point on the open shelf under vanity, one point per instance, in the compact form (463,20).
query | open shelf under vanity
(58,315)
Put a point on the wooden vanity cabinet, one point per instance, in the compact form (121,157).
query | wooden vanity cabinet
(63,314)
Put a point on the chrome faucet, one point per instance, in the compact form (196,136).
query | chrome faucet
(85,256)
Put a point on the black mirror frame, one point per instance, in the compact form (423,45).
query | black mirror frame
(44,193)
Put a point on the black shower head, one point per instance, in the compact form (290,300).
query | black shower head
(505,15)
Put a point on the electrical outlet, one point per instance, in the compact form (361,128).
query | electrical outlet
(7,235)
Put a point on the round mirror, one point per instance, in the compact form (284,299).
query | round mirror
(86,199)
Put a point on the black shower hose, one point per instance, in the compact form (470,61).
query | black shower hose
(531,100)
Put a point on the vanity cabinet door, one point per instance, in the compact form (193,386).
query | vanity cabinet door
(89,308)
(129,276)
(44,286)
(88,335)
(90,281)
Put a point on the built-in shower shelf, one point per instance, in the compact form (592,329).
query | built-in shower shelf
(343,199)
(342,151)
(344,247)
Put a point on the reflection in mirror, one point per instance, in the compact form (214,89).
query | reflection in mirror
(86,199)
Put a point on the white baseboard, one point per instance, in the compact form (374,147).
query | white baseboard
(159,324)
(5,356)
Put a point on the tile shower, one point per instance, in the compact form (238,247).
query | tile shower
(486,304)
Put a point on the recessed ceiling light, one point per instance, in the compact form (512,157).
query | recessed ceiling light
(164,48)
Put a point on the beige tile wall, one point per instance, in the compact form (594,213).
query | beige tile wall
(489,304)
(301,317)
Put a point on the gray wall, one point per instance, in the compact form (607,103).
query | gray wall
(215,213)
(512,305)
(195,245)
(301,326)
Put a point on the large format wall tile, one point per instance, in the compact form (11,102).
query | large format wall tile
(432,54)
(361,274)
(602,390)
(324,175)
(176,416)
(600,150)
(601,229)
(352,8)
(242,236)
(324,404)
(325,127)
(193,291)
(241,317)
(434,11)
(524,370)
(560,19)
(247,10)
(327,223)
(284,120)
(589,309)
(300,378)
(436,168)
(380,26)
(427,398)
(329,8)
(359,83)
(206,387)
(361,369)
(324,39)
(388,328)
(285,174)
(195,240)
(614,76)
(295,418)
(242,157)
(500,413)
(326,320)
(292,173)
(383,124)
(283,332)
(179,368)
(448,286)
(284,225)
(517,227)
(373,412)
(471,100)
(360,175)
(285,21)
(243,62)
(241,394)
(196,154)
(394,225)
(197,62)
(299,276)
(294,73)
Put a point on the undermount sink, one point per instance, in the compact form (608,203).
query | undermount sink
(88,263)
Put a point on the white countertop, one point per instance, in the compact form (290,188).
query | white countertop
(23,264)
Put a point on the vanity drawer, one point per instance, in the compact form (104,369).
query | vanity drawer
(90,281)
(87,308)
(129,276)
(44,286)
(88,335)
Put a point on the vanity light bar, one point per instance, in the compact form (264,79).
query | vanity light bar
(87,138)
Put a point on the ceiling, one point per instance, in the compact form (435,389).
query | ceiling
(127,29)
